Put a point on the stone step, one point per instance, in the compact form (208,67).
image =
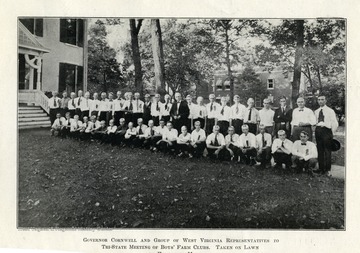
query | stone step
(43,118)
(28,107)
(33,123)
(34,126)
(31,111)
(31,115)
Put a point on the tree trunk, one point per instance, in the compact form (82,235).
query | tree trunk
(319,78)
(228,64)
(298,60)
(158,55)
(134,31)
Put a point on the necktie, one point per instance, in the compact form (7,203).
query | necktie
(282,110)
(54,102)
(237,109)
(304,144)
(60,122)
(282,144)
(301,110)
(157,106)
(73,102)
(211,106)
(200,112)
(198,137)
(321,116)
(152,132)
(131,106)
(166,106)
(87,103)
(79,101)
(216,143)
(68,122)
(247,143)
(96,104)
(231,138)
(111,105)
(263,140)
(222,110)
(140,130)
(249,118)
(137,104)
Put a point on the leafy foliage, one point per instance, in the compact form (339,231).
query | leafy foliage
(103,69)
(251,85)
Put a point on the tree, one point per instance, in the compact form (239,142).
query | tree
(103,69)
(295,85)
(158,55)
(251,84)
(134,32)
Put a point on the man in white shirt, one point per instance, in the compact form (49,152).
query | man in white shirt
(94,105)
(75,127)
(65,131)
(117,108)
(304,154)
(120,132)
(71,104)
(54,104)
(78,103)
(183,142)
(58,125)
(302,120)
(92,126)
(150,138)
(64,104)
(109,136)
(198,138)
(247,145)
(138,108)
(130,135)
(237,114)
(84,126)
(231,141)
(85,105)
(165,108)
(100,131)
(326,125)
(191,105)
(155,109)
(212,109)
(168,141)
(267,116)
(263,146)
(159,131)
(140,133)
(215,144)
(281,150)
(103,107)
(223,117)
(109,113)
(199,112)
(251,116)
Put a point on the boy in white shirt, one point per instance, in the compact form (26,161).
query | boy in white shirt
(150,136)
(109,135)
(75,127)
(58,125)
(198,138)
(183,142)
(168,141)
(304,154)
(156,110)
(247,145)
(281,150)
(231,141)
(140,133)
(212,110)
(199,112)
(130,135)
(215,144)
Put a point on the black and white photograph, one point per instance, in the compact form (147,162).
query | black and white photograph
(181,123)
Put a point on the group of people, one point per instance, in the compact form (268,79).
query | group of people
(237,132)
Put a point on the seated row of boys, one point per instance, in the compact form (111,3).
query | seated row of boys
(246,148)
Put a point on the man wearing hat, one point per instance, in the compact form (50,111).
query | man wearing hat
(155,109)
(237,114)
(212,109)
(326,125)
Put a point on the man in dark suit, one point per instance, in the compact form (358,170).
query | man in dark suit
(179,112)
(282,117)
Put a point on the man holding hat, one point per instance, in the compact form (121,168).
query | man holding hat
(326,125)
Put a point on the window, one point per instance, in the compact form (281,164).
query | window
(227,85)
(34,25)
(72,31)
(218,84)
(70,77)
(270,84)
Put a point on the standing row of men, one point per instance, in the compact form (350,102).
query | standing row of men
(185,113)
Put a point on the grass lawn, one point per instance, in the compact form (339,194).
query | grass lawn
(68,183)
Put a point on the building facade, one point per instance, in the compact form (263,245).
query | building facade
(52,55)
